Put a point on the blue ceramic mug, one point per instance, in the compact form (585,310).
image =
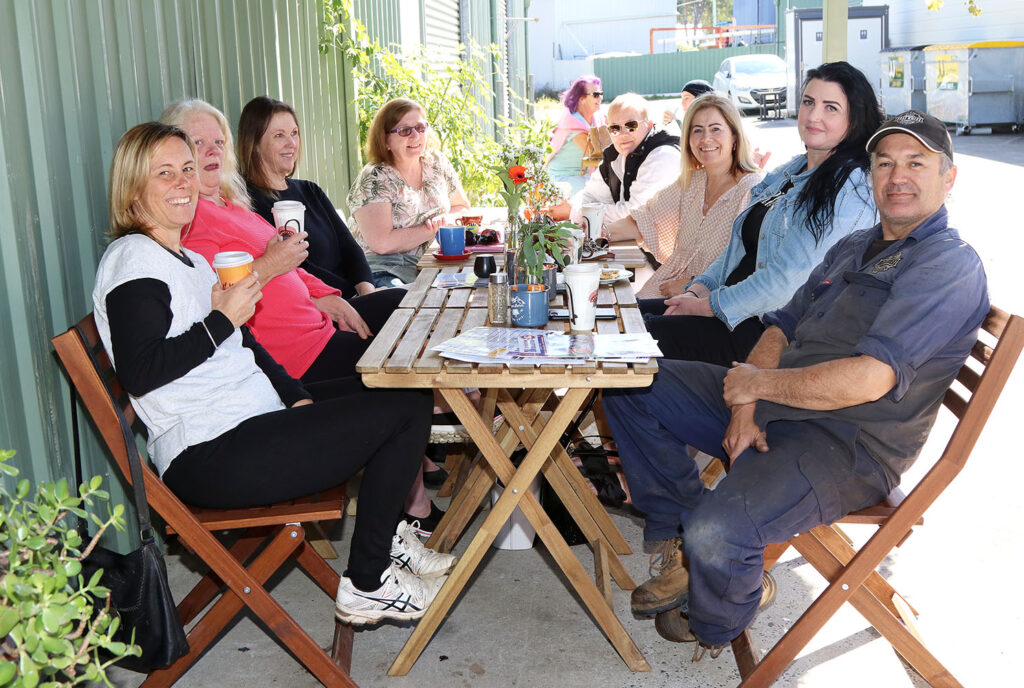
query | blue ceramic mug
(453,240)
(529,308)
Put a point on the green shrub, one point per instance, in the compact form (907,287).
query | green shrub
(49,635)
(454,98)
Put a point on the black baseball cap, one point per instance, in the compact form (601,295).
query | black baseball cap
(697,88)
(930,131)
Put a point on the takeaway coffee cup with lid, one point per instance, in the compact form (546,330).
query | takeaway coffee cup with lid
(581,283)
(231,266)
(288,217)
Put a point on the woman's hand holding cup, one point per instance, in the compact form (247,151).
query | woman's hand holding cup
(284,254)
(237,302)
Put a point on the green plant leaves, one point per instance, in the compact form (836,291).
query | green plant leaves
(39,608)
(7,670)
(8,618)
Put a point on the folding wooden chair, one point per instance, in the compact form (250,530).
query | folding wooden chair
(852,574)
(274,533)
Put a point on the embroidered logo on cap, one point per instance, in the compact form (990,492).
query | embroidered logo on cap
(909,118)
(887,263)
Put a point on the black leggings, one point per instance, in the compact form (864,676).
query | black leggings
(299,451)
(699,338)
(343,349)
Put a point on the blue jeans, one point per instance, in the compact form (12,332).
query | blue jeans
(813,473)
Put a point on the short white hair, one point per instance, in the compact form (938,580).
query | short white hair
(632,101)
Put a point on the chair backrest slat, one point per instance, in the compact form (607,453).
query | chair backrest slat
(1009,331)
(955,403)
(969,378)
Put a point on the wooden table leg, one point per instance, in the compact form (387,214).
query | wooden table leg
(469,498)
(517,493)
(571,494)
(590,502)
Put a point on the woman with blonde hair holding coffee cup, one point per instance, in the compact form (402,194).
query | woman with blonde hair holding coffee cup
(401,193)
(269,151)
(228,427)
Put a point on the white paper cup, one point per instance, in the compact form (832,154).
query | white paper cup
(593,220)
(289,217)
(577,238)
(231,266)
(581,283)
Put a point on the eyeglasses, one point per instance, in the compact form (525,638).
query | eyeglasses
(596,94)
(420,128)
(630,126)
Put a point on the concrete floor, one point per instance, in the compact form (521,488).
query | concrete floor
(519,625)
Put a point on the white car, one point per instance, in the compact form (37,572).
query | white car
(749,79)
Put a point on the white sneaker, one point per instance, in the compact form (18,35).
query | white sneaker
(409,554)
(401,596)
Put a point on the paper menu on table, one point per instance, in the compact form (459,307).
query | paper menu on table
(518,346)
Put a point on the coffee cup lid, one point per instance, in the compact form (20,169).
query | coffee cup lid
(230,259)
(289,205)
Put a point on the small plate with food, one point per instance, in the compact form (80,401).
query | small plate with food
(613,272)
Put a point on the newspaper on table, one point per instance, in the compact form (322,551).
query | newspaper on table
(542,347)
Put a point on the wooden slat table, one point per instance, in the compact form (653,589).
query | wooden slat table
(400,356)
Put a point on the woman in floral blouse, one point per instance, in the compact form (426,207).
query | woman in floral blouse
(399,196)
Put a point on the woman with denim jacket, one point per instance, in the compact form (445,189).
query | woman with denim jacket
(796,213)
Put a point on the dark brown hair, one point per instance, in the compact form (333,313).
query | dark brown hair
(252,125)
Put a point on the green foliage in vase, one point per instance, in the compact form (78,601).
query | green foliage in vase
(539,238)
(50,634)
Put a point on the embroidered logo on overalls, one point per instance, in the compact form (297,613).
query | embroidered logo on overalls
(887,263)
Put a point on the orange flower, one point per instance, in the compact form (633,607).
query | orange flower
(517,173)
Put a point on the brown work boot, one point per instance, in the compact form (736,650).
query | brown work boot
(669,583)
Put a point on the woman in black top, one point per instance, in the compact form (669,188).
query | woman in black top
(269,150)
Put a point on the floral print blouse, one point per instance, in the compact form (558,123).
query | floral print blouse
(379,183)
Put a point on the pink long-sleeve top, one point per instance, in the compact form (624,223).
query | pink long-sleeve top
(287,322)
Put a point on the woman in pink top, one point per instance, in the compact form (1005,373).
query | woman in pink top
(687,224)
(302,322)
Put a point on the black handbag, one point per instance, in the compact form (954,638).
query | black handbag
(137,581)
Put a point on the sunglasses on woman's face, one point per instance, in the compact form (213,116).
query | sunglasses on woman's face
(630,126)
(596,94)
(420,128)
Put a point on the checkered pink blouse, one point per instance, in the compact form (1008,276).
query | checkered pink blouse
(684,241)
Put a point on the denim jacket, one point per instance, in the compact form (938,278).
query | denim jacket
(786,252)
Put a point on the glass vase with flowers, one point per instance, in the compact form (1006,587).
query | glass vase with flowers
(531,235)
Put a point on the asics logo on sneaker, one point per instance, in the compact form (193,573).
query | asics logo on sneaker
(402,603)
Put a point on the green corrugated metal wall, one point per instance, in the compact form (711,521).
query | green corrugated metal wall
(664,72)
(74,75)
(381,19)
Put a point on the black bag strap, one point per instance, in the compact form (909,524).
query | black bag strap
(134,459)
